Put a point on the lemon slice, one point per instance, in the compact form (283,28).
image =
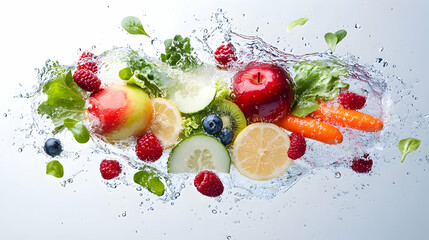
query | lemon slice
(166,122)
(260,151)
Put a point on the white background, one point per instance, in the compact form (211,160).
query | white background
(392,203)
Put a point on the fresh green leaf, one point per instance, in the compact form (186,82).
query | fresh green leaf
(408,145)
(65,100)
(133,25)
(333,39)
(298,22)
(55,169)
(151,69)
(149,178)
(180,54)
(148,85)
(79,131)
(316,80)
(341,34)
(126,73)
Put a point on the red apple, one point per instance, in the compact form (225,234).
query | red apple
(264,92)
(120,111)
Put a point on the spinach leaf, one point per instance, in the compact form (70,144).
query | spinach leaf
(408,145)
(332,39)
(55,169)
(149,178)
(79,131)
(133,25)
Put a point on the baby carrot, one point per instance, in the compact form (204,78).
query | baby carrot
(347,118)
(311,128)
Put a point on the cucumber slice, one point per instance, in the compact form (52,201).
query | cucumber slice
(199,152)
(192,98)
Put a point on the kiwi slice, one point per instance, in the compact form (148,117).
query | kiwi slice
(232,117)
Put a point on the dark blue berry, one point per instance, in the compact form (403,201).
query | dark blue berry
(53,147)
(226,136)
(212,124)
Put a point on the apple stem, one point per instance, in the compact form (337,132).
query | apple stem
(259,77)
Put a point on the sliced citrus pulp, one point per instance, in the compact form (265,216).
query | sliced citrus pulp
(166,122)
(260,151)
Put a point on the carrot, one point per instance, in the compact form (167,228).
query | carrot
(347,118)
(311,128)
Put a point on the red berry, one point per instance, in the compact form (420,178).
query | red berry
(351,100)
(148,148)
(208,183)
(224,54)
(297,146)
(362,164)
(86,80)
(110,169)
(86,56)
(90,66)
(88,61)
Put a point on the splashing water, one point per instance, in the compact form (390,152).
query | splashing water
(384,95)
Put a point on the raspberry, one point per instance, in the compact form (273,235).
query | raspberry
(148,148)
(88,61)
(110,169)
(351,100)
(86,80)
(90,66)
(362,164)
(297,146)
(224,54)
(86,56)
(208,184)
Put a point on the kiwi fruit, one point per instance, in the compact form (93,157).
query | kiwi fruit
(232,117)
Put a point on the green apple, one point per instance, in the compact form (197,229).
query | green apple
(120,111)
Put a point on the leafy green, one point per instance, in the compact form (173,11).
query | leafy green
(298,22)
(408,145)
(55,169)
(65,101)
(146,70)
(316,80)
(133,25)
(180,54)
(149,178)
(148,85)
(79,131)
(332,39)
(126,73)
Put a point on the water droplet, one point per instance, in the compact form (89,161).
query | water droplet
(378,60)
(70,180)
(302,38)
(172,203)
(408,173)
(381,49)
(4,114)
(394,65)
(214,211)
(385,64)
(228,237)
(357,26)
(257,29)
(337,175)
(124,214)
(219,9)
(20,150)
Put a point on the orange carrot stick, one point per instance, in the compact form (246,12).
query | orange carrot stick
(347,118)
(311,128)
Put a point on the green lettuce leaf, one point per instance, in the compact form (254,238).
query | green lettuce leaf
(180,54)
(65,105)
(316,80)
(55,169)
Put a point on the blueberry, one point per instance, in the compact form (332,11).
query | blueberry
(53,147)
(226,136)
(212,124)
